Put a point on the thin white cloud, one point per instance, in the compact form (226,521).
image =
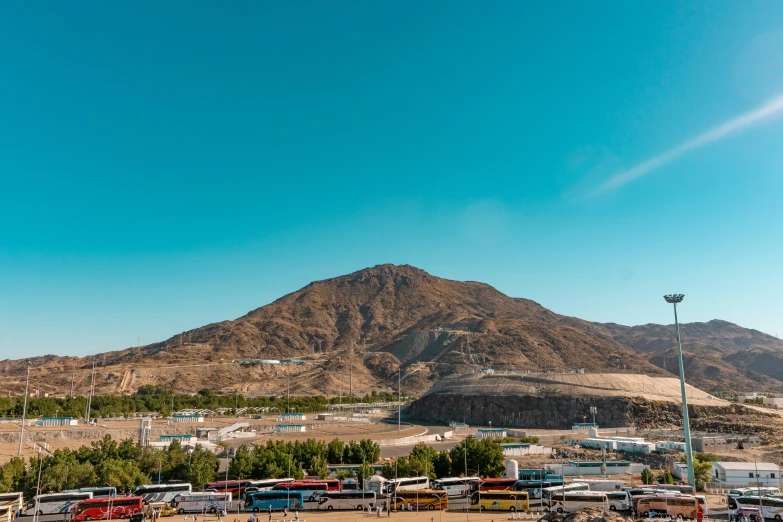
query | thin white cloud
(740,123)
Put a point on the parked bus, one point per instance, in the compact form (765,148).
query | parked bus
(771,507)
(206,502)
(604,485)
(500,500)
(454,486)
(161,492)
(685,489)
(534,487)
(358,500)
(275,499)
(51,503)
(764,491)
(662,505)
(237,488)
(107,508)
(406,484)
(266,484)
(569,501)
(12,502)
(100,492)
(309,490)
(494,484)
(565,488)
(420,499)
(618,500)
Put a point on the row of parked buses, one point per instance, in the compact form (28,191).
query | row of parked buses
(756,502)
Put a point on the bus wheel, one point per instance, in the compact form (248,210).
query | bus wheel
(88,518)
(329,508)
(180,511)
(512,509)
(612,508)
(559,510)
(255,510)
(646,514)
(359,508)
(481,509)
(777,517)
(431,507)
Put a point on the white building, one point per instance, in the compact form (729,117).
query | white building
(187,418)
(746,473)
(57,421)
(775,402)
(670,445)
(494,433)
(289,428)
(288,417)
(635,447)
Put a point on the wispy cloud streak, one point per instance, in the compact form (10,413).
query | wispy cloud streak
(740,123)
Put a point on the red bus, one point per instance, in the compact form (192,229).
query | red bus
(107,508)
(331,484)
(235,487)
(310,490)
(495,484)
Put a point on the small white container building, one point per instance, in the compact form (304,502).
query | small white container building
(57,421)
(289,428)
(670,445)
(290,417)
(187,418)
(746,473)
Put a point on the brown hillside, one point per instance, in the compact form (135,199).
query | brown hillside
(365,324)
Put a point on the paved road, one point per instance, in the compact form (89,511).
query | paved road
(403,451)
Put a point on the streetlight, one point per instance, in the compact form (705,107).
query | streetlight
(674,299)
(24,409)
(594,410)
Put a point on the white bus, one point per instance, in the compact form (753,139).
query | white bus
(566,502)
(771,507)
(454,486)
(207,502)
(406,484)
(604,485)
(565,488)
(12,501)
(358,500)
(618,500)
(161,492)
(266,484)
(53,503)
(766,491)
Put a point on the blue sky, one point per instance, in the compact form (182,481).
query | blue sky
(164,166)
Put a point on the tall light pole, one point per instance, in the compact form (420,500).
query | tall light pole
(24,409)
(92,387)
(674,299)
(399,399)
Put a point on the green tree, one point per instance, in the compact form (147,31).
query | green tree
(318,467)
(365,471)
(241,465)
(667,478)
(335,451)
(442,464)
(203,467)
(648,477)
(345,474)
(484,456)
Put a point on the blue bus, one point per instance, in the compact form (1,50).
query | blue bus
(99,492)
(256,501)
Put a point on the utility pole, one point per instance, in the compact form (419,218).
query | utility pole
(92,387)
(350,381)
(24,409)
(73,378)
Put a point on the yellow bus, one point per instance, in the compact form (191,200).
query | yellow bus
(500,500)
(420,499)
(647,506)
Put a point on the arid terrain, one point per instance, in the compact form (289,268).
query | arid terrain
(356,330)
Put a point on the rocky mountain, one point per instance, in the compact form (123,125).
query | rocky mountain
(352,333)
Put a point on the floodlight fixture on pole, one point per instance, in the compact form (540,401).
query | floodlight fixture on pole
(673,299)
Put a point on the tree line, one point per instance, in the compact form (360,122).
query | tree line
(164,400)
(126,465)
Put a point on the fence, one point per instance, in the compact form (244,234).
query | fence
(404,441)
